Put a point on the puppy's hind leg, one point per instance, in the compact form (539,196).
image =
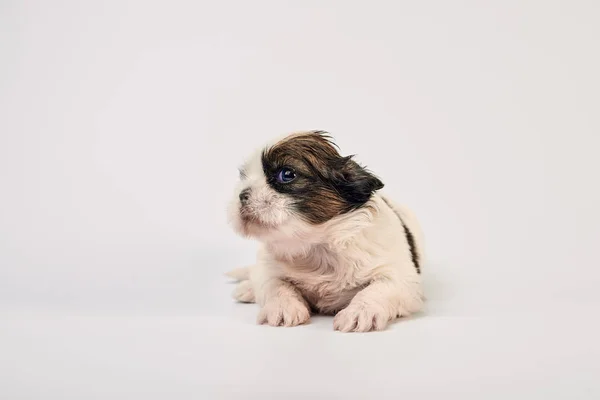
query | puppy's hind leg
(244,292)
(239,274)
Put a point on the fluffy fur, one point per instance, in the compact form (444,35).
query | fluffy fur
(330,242)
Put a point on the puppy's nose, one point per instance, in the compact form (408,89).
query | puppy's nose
(244,195)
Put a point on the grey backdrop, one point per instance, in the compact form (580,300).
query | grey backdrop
(122,124)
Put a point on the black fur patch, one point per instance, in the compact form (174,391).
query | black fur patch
(409,238)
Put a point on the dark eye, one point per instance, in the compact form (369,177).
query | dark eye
(286,175)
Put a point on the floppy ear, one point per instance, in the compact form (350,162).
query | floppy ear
(355,183)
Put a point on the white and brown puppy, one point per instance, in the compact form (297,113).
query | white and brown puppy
(329,242)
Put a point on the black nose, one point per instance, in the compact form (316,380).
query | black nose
(245,195)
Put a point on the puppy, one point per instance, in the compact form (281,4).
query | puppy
(330,243)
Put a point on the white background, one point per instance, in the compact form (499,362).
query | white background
(121,127)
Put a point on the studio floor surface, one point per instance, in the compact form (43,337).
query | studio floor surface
(202,345)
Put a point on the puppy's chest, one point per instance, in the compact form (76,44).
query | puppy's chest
(328,281)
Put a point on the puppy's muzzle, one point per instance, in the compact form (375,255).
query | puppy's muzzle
(245,196)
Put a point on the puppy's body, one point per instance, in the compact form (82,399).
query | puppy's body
(356,254)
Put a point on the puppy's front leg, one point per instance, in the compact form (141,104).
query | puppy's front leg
(384,299)
(281,304)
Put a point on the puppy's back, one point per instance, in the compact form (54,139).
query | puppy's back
(411,224)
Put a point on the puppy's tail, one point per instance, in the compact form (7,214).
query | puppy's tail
(239,274)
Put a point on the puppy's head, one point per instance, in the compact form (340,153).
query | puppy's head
(300,180)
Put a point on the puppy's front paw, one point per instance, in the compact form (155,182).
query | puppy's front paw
(360,318)
(284,311)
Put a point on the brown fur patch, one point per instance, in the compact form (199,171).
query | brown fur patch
(327,184)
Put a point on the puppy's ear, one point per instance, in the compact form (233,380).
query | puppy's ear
(355,183)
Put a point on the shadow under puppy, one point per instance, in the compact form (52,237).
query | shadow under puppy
(329,241)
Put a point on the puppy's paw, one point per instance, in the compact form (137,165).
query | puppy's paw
(284,311)
(360,318)
(244,293)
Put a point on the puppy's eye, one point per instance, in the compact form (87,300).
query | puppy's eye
(286,175)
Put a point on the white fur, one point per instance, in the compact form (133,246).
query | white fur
(358,264)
